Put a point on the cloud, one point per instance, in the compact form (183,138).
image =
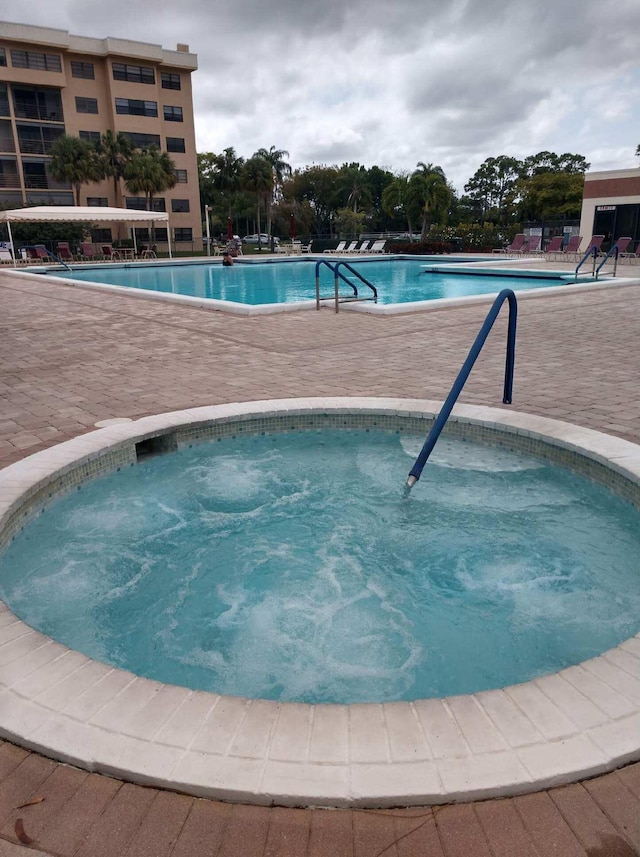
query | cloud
(385,83)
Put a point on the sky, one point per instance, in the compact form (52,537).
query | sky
(393,82)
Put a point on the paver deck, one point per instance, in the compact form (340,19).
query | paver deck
(71,357)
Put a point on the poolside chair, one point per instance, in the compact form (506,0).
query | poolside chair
(573,246)
(532,245)
(378,246)
(594,244)
(517,244)
(42,254)
(306,248)
(63,251)
(363,248)
(109,253)
(554,246)
(351,248)
(87,251)
(339,248)
(623,253)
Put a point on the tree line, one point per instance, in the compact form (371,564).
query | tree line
(350,199)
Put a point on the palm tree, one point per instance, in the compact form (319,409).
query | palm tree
(396,200)
(353,184)
(75,161)
(150,172)
(114,152)
(228,175)
(430,194)
(280,170)
(257,178)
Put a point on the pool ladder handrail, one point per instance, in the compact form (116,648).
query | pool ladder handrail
(613,251)
(338,275)
(592,251)
(467,366)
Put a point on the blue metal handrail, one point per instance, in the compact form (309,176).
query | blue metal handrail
(467,366)
(338,275)
(614,251)
(592,251)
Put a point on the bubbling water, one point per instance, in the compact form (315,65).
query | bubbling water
(290,567)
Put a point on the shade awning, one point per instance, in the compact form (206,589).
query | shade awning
(79,214)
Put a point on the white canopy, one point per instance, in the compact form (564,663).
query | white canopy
(80,214)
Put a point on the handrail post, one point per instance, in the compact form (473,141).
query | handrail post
(467,366)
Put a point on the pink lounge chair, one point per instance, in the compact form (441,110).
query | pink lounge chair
(517,244)
(623,253)
(532,245)
(573,246)
(594,244)
(109,253)
(63,251)
(554,246)
(87,250)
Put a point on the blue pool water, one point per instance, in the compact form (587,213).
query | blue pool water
(290,567)
(278,282)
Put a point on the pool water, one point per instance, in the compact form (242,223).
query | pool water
(291,567)
(277,282)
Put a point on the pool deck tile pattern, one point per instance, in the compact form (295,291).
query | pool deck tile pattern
(64,357)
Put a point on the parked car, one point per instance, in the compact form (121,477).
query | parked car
(263,239)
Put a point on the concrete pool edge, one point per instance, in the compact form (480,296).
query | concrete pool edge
(580,722)
(236,308)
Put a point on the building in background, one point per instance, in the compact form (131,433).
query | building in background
(54,83)
(611,205)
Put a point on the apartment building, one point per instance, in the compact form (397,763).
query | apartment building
(54,83)
(611,205)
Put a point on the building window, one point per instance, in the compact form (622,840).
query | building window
(180,205)
(181,176)
(37,102)
(183,234)
(92,137)
(172,114)
(143,141)
(9,173)
(3,56)
(133,73)
(37,139)
(40,62)
(139,203)
(135,107)
(175,144)
(4,100)
(142,235)
(7,143)
(82,69)
(170,80)
(98,201)
(86,105)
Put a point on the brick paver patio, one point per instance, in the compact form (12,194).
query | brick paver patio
(70,357)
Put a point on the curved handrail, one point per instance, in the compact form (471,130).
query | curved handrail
(613,251)
(359,276)
(467,366)
(592,251)
(335,273)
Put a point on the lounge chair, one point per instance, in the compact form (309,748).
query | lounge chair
(517,244)
(109,253)
(339,248)
(594,244)
(42,254)
(363,248)
(572,247)
(378,246)
(554,246)
(87,250)
(623,253)
(532,245)
(351,248)
(63,251)
(306,248)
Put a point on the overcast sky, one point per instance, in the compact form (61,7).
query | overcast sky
(393,82)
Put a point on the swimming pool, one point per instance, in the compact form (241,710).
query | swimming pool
(277,285)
